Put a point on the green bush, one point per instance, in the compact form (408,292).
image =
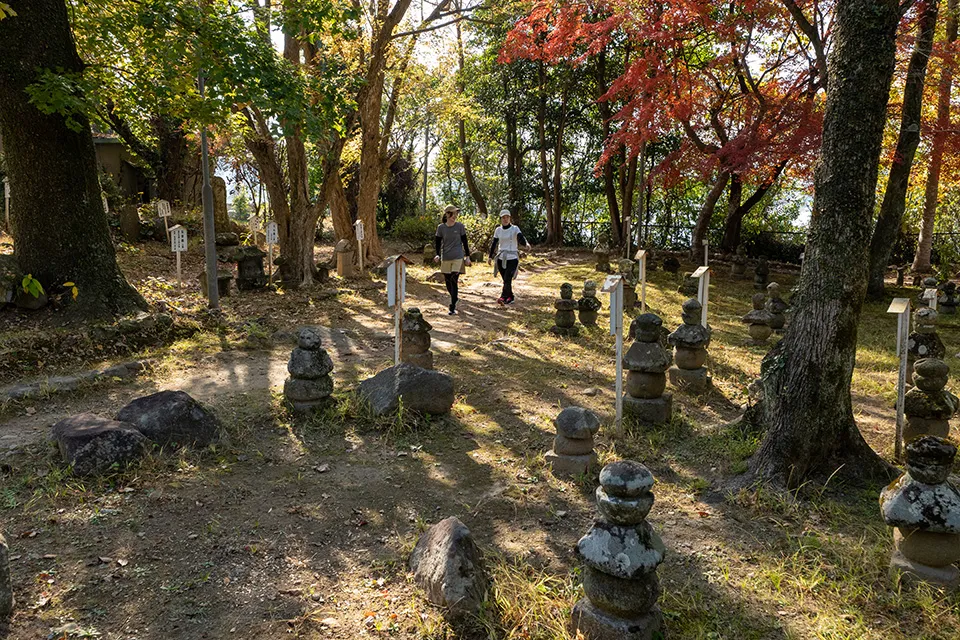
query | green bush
(415,231)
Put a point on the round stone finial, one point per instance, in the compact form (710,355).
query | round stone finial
(308,338)
(691,311)
(647,327)
(590,288)
(626,479)
(759,299)
(929,459)
(577,423)
(566,291)
(930,282)
(930,374)
(773,290)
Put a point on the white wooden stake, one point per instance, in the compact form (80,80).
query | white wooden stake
(706,252)
(396,293)
(360,238)
(901,307)
(272,237)
(703,291)
(178,244)
(641,257)
(930,295)
(614,286)
(163,210)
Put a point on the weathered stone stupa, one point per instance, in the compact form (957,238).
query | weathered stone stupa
(646,363)
(309,385)
(758,320)
(928,407)
(627,269)
(777,307)
(923,342)
(924,509)
(601,254)
(415,339)
(690,340)
(589,305)
(565,319)
(621,553)
(572,452)
(948,300)
(738,263)
(760,274)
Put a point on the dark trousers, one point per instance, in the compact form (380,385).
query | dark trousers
(452,281)
(508,273)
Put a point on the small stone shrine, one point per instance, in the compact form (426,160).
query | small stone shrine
(760,274)
(415,339)
(626,268)
(758,321)
(344,252)
(738,263)
(572,452)
(565,320)
(646,363)
(948,301)
(928,407)
(923,506)
(601,254)
(621,553)
(429,251)
(776,307)
(250,274)
(928,283)
(223,282)
(690,340)
(309,385)
(923,342)
(589,305)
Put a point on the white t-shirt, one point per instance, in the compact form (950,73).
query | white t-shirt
(507,242)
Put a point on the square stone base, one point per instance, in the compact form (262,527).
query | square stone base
(649,411)
(595,624)
(903,568)
(562,465)
(693,380)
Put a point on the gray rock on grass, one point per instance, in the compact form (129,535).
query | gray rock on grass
(419,390)
(170,417)
(95,445)
(446,564)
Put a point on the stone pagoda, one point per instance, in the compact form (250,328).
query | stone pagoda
(923,342)
(776,307)
(646,363)
(589,305)
(690,340)
(928,407)
(758,321)
(738,263)
(565,319)
(760,274)
(572,452)
(309,385)
(415,339)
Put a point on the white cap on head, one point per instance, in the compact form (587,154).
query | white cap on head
(505,212)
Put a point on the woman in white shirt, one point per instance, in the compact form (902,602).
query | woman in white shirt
(506,247)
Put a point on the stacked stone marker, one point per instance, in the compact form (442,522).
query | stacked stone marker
(415,340)
(948,301)
(738,263)
(572,452)
(565,320)
(646,363)
(760,274)
(758,321)
(924,509)
(309,385)
(429,251)
(928,406)
(589,304)
(926,285)
(690,340)
(923,342)
(626,268)
(344,253)
(777,307)
(602,255)
(621,553)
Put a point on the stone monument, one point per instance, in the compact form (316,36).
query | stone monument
(429,251)
(626,269)
(250,273)
(572,452)
(223,282)
(621,553)
(646,363)
(738,263)
(344,252)
(928,283)
(601,254)
(923,506)
(565,320)
(923,342)
(928,407)
(690,286)
(901,272)
(690,340)
(415,339)
(309,385)
(589,305)
(776,307)
(758,321)
(948,301)
(760,274)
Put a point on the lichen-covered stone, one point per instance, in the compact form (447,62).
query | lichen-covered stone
(308,338)
(447,565)
(577,423)
(624,511)
(626,479)
(169,417)
(95,445)
(622,551)
(922,498)
(648,357)
(307,390)
(309,365)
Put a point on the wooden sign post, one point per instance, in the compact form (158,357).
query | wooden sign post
(272,238)
(614,286)
(901,307)
(396,293)
(358,225)
(6,201)
(703,292)
(641,257)
(930,295)
(163,210)
(178,244)
(252,225)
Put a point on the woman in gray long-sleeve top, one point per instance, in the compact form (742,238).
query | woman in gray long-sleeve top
(452,252)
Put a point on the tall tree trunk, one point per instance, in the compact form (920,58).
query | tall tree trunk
(609,178)
(462,130)
(558,175)
(60,230)
(514,172)
(706,215)
(895,195)
(734,205)
(807,407)
(735,216)
(544,165)
(921,262)
(171,170)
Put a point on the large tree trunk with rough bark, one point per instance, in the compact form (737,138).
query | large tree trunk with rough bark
(514,155)
(60,229)
(807,409)
(706,215)
(921,262)
(895,195)
(737,211)
(465,154)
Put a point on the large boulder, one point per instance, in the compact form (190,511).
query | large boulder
(171,417)
(94,445)
(446,564)
(420,390)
